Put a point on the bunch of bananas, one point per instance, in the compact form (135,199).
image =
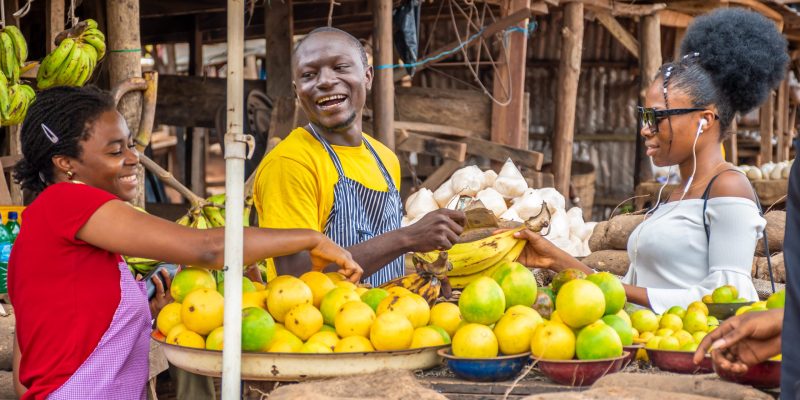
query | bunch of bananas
(482,254)
(429,281)
(73,61)
(15,98)
(13,52)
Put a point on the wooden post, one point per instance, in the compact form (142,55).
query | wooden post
(780,120)
(196,137)
(124,58)
(767,116)
(507,127)
(13,132)
(279,23)
(568,74)
(649,62)
(383,54)
(786,132)
(55,21)
(679,34)
(732,145)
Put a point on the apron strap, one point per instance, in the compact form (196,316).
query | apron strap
(334,157)
(386,176)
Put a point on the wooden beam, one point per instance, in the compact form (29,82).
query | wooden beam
(649,63)
(694,7)
(619,32)
(416,143)
(434,128)
(636,10)
(280,29)
(539,8)
(278,20)
(55,21)
(123,34)
(383,54)
(674,19)
(679,34)
(568,75)
(761,8)
(509,85)
(780,120)
(767,117)
(732,145)
(786,128)
(441,175)
(488,32)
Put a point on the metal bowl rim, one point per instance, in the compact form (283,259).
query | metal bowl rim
(580,362)
(445,352)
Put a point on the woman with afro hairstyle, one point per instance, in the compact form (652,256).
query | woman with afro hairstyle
(705,234)
(83,322)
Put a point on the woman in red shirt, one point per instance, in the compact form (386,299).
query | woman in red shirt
(82,321)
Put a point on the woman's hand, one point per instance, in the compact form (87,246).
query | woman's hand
(327,252)
(541,253)
(743,341)
(163,295)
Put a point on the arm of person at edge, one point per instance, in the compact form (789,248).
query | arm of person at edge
(437,230)
(743,341)
(117,227)
(19,388)
(541,253)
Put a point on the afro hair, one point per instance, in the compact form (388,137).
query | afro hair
(743,53)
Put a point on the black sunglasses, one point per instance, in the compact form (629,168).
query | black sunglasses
(650,117)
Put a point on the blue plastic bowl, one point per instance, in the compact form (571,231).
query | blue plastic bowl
(485,369)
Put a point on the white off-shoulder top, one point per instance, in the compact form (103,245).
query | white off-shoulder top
(671,257)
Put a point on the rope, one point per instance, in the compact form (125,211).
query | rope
(330,12)
(2,14)
(72,19)
(24,10)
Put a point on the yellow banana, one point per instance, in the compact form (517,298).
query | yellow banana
(184,220)
(200,222)
(473,257)
(217,199)
(20,46)
(430,291)
(213,216)
(52,62)
(91,52)
(90,23)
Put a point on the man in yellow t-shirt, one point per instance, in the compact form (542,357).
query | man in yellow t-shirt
(331,177)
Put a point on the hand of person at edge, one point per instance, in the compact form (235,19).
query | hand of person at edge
(743,341)
(162,296)
(437,230)
(539,252)
(327,252)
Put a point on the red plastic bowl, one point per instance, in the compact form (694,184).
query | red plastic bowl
(766,375)
(632,349)
(679,362)
(580,372)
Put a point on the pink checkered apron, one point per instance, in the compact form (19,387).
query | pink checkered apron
(118,366)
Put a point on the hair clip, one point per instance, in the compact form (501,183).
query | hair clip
(695,54)
(50,135)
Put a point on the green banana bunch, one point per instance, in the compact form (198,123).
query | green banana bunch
(72,63)
(14,103)
(13,52)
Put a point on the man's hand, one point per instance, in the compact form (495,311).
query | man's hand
(743,340)
(327,252)
(437,230)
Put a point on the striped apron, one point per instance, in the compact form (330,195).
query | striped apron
(359,213)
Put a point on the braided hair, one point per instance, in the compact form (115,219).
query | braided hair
(732,58)
(57,121)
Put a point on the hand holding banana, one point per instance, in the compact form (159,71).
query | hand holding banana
(72,63)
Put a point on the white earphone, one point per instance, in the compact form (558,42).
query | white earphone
(702,124)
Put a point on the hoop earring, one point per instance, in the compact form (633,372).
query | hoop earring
(70,175)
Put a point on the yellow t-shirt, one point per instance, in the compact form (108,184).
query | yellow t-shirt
(294,182)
